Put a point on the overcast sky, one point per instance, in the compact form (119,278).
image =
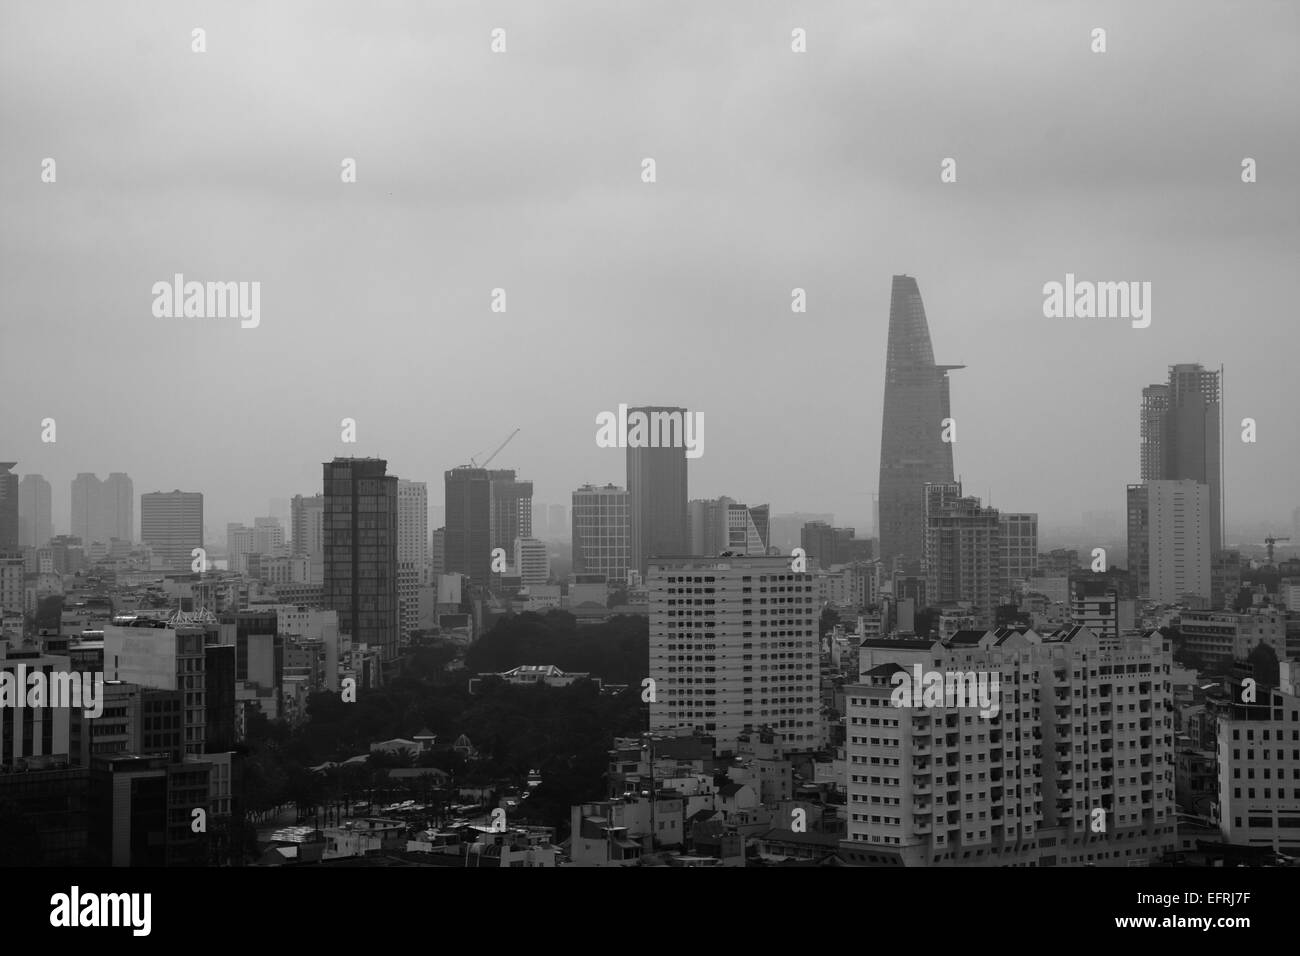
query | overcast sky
(522,170)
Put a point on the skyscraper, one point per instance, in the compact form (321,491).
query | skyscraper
(103,510)
(171,523)
(34,511)
(1169,540)
(656,486)
(8,508)
(512,508)
(601,532)
(117,507)
(912,449)
(85,508)
(412,549)
(1182,437)
(361,551)
(467,541)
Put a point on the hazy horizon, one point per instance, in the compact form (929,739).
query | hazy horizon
(522,171)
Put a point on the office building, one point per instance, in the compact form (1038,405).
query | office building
(829,546)
(601,532)
(1019,534)
(361,551)
(412,550)
(512,508)
(733,647)
(171,523)
(718,525)
(657,494)
(532,561)
(467,538)
(912,450)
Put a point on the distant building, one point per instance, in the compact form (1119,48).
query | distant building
(361,580)
(1169,540)
(532,561)
(9,511)
(171,523)
(602,532)
(36,527)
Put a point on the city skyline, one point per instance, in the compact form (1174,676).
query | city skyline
(716,243)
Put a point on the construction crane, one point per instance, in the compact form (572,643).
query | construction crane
(474,464)
(1270,541)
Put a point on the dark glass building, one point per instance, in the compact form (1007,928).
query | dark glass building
(361,550)
(657,495)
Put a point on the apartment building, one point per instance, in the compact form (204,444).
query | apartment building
(1073,768)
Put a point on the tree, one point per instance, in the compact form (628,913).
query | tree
(1264,665)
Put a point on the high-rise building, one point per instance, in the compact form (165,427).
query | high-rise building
(171,523)
(437,553)
(963,551)
(1182,435)
(103,510)
(467,539)
(735,635)
(1019,549)
(831,546)
(412,550)
(9,530)
(532,561)
(361,551)
(36,526)
(656,487)
(558,520)
(1155,403)
(1169,540)
(307,529)
(722,524)
(602,532)
(117,507)
(512,508)
(912,449)
(1082,725)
